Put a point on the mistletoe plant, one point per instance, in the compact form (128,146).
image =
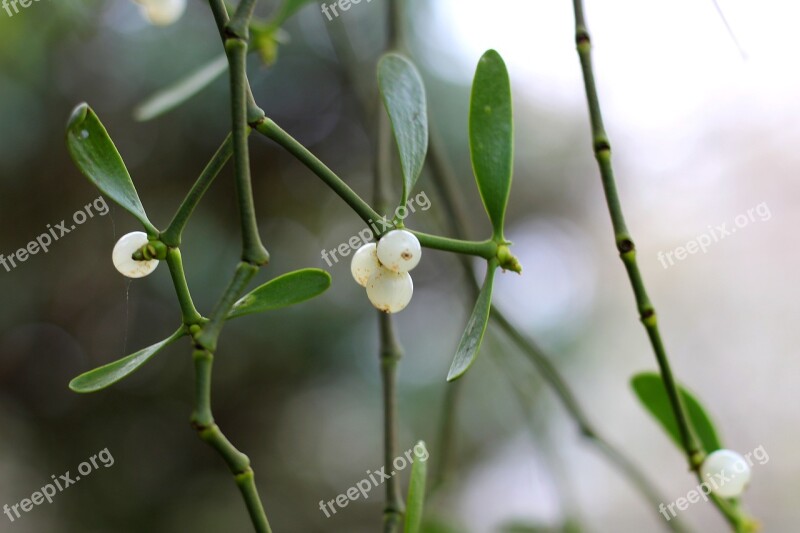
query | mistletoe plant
(381,267)
(398,250)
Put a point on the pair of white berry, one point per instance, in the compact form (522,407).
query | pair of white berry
(383,269)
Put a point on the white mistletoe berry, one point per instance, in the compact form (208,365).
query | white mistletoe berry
(399,250)
(726,472)
(365,263)
(390,291)
(162,12)
(123,252)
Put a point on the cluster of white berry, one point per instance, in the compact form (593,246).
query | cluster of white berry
(162,12)
(383,269)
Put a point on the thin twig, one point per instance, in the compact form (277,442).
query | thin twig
(627,250)
(391,350)
(444,180)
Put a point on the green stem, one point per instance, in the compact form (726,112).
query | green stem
(627,250)
(548,371)
(390,349)
(188,310)
(254,113)
(203,362)
(240,23)
(444,180)
(570,403)
(246,481)
(253,250)
(485,249)
(172,235)
(390,355)
(221,18)
(624,242)
(210,333)
(270,129)
(238,463)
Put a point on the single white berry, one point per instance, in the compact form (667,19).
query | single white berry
(365,263)
(162,12)
(399,250)
(390,291)
(726,472)
(123,252)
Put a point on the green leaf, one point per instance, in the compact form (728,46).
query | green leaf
(650,389)
(107,375)
(174,95)
(98,159)
(283,291)
(286,11)
(416,492)
(473,334)
(491,136)
(404,97)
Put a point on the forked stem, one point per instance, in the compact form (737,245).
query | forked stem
(253,250)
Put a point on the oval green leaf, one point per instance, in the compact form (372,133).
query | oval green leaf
(98,159)
(404,98)
(416,491)
(283,291)
(491,136)
(650,389)
(476,327)
(107,375)
(179,92)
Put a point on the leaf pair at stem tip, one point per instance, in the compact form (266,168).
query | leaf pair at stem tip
(491,135)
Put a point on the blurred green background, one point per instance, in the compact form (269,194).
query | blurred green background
(700,136)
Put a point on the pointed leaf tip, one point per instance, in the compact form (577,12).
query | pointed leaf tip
(649,388)
(78,115)
(107,375)
(97,158)
(289,289)
(472,338)
(403,93)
